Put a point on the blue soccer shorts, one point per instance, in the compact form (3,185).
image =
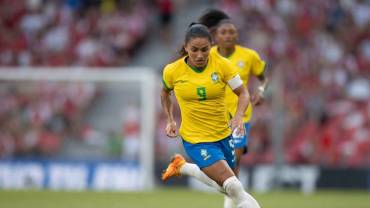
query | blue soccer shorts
(207,153)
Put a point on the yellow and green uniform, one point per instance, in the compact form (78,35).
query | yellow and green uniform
(201,97)
(248,62)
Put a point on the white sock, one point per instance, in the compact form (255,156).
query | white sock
(235,191)
(193,170)
(228,202)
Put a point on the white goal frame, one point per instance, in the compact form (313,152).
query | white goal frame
(148,83)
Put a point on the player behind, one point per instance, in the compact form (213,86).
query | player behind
(248,63)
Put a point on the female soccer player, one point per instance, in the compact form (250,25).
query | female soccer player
(199,81)
(248,62)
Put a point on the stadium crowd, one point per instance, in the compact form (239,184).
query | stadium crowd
(35,118)
(70,32)
(317,51)
(318,55)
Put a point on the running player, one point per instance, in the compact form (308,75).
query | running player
(199,81)
(248,63)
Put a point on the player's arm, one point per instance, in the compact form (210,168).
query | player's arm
(167,106)
(239,89)
(167,81)
(259,70)
(259,96)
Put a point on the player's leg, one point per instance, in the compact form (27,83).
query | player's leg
(223,179)
(239,196)
(191,169)
(216,160)
(228,147)
(228,202)
(203,155)
(179,166)
(224,175)
(241,148)
(220,173)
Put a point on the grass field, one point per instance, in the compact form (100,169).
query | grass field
(177,198)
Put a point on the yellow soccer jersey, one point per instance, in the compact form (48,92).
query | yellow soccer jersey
(248,62)
(201,97)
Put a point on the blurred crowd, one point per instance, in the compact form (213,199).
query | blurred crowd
(36,117)
(318,55)
(318,61)
(70,32)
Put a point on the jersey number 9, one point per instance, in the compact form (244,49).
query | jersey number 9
(201,92)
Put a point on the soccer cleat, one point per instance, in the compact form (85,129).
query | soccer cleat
(173,169)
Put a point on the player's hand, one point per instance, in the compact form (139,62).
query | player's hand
(171,129)
(257,99)
(237,126)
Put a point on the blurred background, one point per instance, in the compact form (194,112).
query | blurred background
(312,132)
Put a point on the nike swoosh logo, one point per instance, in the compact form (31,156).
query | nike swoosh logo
(181,81)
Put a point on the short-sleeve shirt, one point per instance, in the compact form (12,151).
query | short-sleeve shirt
(248,62)
(201,97)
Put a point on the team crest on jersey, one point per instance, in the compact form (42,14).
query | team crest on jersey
(204,154)
(241,64)
(214,77)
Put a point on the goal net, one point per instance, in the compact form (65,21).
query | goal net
(79,128)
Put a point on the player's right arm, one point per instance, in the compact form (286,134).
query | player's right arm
(167,106)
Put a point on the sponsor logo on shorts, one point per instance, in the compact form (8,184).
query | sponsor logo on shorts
(204,154)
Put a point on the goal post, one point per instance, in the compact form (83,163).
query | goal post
(140,77)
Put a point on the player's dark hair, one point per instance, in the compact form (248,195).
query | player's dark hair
(212,17)
(195,30)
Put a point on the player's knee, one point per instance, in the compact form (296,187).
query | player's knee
(233,186)
(235,190)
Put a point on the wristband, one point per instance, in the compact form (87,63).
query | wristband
(261,91)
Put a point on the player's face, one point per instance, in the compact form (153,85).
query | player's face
(226,35)
(198,51)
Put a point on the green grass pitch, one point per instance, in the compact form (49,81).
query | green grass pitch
(177,198)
